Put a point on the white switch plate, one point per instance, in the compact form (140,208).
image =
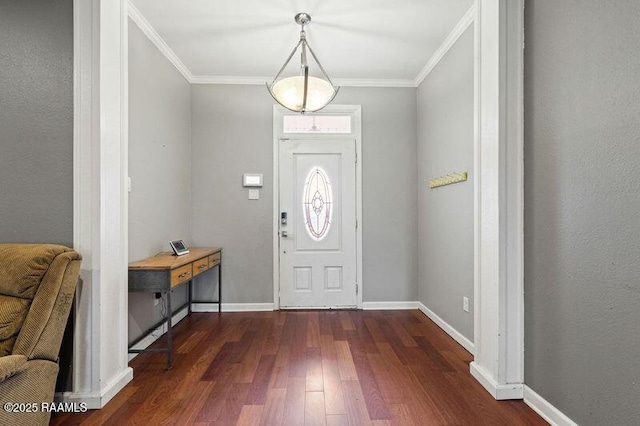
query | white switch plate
(465,304)
(254,194)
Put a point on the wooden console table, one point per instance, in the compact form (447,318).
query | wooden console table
(165,271)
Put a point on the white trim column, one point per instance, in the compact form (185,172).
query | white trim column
(499,321)
(100,365)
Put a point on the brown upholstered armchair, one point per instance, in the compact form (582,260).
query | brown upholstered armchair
(37,284)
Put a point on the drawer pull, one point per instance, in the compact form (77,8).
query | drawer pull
(202,266)
(186,274)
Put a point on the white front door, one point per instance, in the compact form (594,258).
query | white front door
(317,223)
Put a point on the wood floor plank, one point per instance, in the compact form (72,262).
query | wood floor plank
(274,407)
(216,399)
(345,320)
(193,405)
(280,373)
(354,403)
(376,406)
(251,360)
(219,362)
(334,399)
(233,403)
(314,378)
(191,342)
(314,367)
(313,331)
(260,383)
(400,415)
(294,401)
(196,370)
(314,414)
(345,361)
(250,415)
(390,387)
(402,333)
(298,356)
(337,420)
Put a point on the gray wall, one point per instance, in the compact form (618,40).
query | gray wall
(233,134)
(159,165)
(36,121)
(445,222)
(582,198)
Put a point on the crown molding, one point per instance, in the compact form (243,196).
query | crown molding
(448,42)
(228,79)
(342,82)
(372,82)
(156,39)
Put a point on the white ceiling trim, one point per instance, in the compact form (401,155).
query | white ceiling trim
(364,82)
(159,42)
(342,82)
(164,48)
(448,42)
(224,79)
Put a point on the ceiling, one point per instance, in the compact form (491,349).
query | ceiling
(354,39)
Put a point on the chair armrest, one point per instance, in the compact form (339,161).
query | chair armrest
(10,365)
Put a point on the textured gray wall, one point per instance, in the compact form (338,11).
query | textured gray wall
(233,134)
(582,198)
(159,165)
(445,219)
(36,121)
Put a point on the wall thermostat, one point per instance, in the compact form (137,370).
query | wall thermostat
(252,179)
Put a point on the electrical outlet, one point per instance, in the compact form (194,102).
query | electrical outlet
(465,304)
(156,298)
(155,302)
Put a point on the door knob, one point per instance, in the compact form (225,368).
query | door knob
(285,234)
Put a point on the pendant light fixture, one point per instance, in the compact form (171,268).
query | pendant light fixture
(303,93)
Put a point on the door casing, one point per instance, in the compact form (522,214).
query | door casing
(355,112)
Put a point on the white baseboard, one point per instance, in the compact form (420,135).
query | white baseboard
(97,400)
(545,409)
(158,332)
(455,334)
(383,306)
(499,392)
(232,307)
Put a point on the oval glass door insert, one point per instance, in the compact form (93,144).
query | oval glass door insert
(317,203)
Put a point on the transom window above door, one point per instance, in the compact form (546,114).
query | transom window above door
(325,124)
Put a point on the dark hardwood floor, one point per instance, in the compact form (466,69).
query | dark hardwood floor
(309,367)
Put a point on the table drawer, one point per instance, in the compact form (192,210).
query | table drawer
(214,260)
(200,266)
(181,274)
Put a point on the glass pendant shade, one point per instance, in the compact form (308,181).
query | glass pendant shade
(303,93)
(289,92)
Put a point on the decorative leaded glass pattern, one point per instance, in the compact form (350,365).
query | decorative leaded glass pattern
(317,203)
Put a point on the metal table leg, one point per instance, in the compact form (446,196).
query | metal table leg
(220,285)
(189,296)
(169,333)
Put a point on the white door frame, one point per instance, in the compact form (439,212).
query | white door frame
(499,198)
(355,112)
(100,200)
